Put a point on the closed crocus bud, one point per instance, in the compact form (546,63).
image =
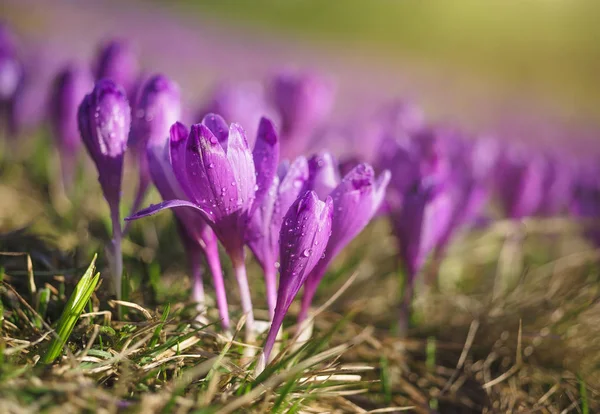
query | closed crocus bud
(324,174)
(196,235)
(303,100)
(11,77)
(264,226)
(69,88)
(355,200)
(104,120)
(215,169)
(157,108)
(520,182)
(558,185)
(244,103)
(118,61)
(585,203)
(304,234)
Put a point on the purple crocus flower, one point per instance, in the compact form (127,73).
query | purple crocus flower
(356,200)
(558,181)
(520,183)
(585,202)
(215,168)
(117,61)
(157,108)
(323,175)
(11,76)
(197,237)
(264,226)
(468,184)
(304,234)
(69,88)
(420,206)
(244,103)
(104,120)
(304,101)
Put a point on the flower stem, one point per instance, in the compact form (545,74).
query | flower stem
(117,269)
(405,305)
(271,289)
(214,264)
(245,297)
(197,285)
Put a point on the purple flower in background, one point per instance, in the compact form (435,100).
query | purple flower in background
(11,76)
(323,175)
(117,60)
(304,101)
(355,200)
(69,88)
(215,168)
(520,181)
(304,234)
(104,120)
(264,226)
(558,182)
(468,185)
(585,202)
(196,235)
(420,206)
(244,103)
(157,108)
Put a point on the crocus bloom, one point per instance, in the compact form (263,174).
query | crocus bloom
(104,120)
(11,75)
(70,87)
(520,183)
(558,181)
(196,235)
(243,102)
(585,202)
(117,61)
(264,226)
(157,108)
(304,234)
(420,208)
(355,200)
(303,100)
(323,175)
(215,169)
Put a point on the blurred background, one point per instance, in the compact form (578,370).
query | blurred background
(531,62)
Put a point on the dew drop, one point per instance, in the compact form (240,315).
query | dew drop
(306,252)
(211,165)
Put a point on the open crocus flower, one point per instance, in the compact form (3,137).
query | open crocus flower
(69,88)
(304,234)
(264,226)
(215,169)
(196,235)
(157,108)
(242,102)
(355,200)
(104,120)
(117,61)
(303,100)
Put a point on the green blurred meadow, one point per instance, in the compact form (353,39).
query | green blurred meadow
(545,48)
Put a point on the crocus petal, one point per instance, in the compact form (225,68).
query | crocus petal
(266,159)
(323,174)
(155,208)
(117,61)
(218,127)
(242,165)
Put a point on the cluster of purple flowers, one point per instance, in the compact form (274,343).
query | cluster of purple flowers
(240,177)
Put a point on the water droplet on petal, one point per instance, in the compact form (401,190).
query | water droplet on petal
(211,165)
(306,252)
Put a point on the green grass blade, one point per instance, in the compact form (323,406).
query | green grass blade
(70,315)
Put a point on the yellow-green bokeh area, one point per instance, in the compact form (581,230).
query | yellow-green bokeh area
(547,47)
